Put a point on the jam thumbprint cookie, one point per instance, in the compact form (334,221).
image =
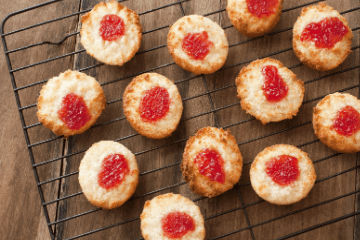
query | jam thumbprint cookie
(336,122)
(111,33)
(198,44)
(108,174)
(282,174)
(212,162)
(269,91)
(70,103)
(322,37)
(254,18)
(172,216)
(152,105)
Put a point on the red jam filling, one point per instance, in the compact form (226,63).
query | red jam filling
(74,112)
(177,224)
(113,171)
(197,45)
(210,164)
(283,169)
(326,33)
(274,88)
(262,8)
(154,104)
(347,121)
(112,27)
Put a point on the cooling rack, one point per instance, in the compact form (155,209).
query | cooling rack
(237,213)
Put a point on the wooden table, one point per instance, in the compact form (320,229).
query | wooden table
(21,215)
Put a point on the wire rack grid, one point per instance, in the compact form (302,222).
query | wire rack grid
(213,111)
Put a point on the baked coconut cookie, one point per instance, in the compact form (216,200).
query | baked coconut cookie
(336,122)
(172,216)
(198,44)
(212,162)
(111,33)
(282,174)
(269,91)
(70,103)
(254,18)
(152,105)
(108,174)
(321,37)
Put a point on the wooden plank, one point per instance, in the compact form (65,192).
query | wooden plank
(357,200)
(21,215)
(28,217)
(356,223)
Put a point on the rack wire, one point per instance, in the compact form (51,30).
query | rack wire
(214,112)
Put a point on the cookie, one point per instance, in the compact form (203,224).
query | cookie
(269,91)
(336,122)
(70,103)
(152,105)
(254,18)
(321,37)
(111,33)
(282,174)
(108,174)
(171,216)
(198,44)
(212,162)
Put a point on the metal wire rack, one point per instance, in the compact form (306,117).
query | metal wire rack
(52,224)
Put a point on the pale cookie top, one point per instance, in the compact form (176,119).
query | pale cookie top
(133,95)
(224,143)
(214,60)
(160,206)
(250,83)
(273,192)
(249,24)
(323,119)
(321,59)
(114,52)
(53,93)
(90,167)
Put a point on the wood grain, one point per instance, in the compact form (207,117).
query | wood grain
(20,208)
(252,136)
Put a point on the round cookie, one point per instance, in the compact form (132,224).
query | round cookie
(153,105)
(108,174)
(198,44)
(269,91)
(254,18)
(70,103)
(311,40)
(111,33)
(336,122)
(216,148)
(282,174)
(156,219)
